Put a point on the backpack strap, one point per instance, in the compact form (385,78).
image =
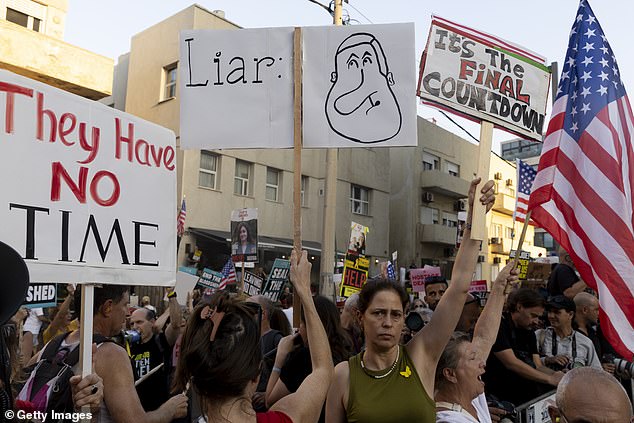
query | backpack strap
(73,357)
(50,350)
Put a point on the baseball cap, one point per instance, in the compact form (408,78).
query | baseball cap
(561,302)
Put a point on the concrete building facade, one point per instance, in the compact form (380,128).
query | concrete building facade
(429,187)
(31,44)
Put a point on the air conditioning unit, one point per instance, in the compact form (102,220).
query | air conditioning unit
(497,176)
(448,252)
(495,241)
(460,205)
(428,197)
(481,259)
(509,182)
(497,260)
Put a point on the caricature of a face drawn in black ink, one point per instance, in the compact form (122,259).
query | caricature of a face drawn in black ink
(361,105)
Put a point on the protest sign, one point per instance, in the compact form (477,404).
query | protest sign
(209,280)
(522,262)
(484,77)
(357,239)
(359,85)
(355,274)
(244,235)
(226,78)
(79,200)
(419,276)
(185,283)
(41,295)
(478,286)
(252,284)
(276,280)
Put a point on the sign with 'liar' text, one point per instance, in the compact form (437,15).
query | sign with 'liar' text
(484,77)
(88,192)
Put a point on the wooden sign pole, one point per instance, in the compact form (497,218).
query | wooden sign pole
(478,225)
(297,150)
(85,333)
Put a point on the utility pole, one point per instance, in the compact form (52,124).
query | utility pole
(330,202)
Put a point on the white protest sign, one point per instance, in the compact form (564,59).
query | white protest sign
(185,283)
(88,192)
(236,88)
(482,76)
(359,86)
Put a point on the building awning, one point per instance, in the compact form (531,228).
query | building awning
(263,241)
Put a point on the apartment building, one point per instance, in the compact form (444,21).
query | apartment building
(32,44)
(429,187)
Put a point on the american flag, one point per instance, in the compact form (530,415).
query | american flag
(228,274)
(525,177)
(391,274)
(180,220)
(582,193)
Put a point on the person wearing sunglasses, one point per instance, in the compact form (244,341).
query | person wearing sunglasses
(590,395)
(221,358)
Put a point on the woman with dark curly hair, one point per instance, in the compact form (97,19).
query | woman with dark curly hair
(221,359)
(243,240)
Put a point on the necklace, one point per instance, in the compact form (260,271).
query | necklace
(398,353)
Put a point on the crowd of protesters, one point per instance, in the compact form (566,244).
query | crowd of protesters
(384,357)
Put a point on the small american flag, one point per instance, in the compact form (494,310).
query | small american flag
(525,178)
(180,220)
(582,194)
(391,274)
(228,274)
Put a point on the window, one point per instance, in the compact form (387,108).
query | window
(450,220)
(428,215)
(509,232)
(169,82)
(273,177)
(17,17)
(453,169)
(208,172)
(544,239)
(304,187)
(496,231)
(430,162)
(241,179)
(359,200)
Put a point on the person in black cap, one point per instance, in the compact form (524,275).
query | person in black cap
(560,346)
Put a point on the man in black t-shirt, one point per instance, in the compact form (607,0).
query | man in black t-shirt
(563,279)
(153,353)
(514,371)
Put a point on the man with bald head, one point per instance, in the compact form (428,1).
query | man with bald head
(586,322)
(589,395)
(563,279)
(350,321)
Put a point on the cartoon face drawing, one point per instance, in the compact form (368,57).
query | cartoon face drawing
(361,105)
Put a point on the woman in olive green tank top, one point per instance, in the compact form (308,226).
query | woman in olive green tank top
(392,383)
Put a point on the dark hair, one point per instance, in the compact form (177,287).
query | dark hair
(526,297)
(433,280)
(103,294)
(374,286)
(236,232)
(279,321)
(339,340)
(222,368)
(449,358)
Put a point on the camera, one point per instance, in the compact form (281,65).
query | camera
(623,368)
(414,321)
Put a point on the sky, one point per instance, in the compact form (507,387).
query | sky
(543,26)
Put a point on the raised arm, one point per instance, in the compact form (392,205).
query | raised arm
(425,348)
(305,404)
(488,323)
(174,328)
